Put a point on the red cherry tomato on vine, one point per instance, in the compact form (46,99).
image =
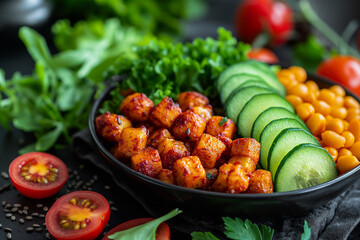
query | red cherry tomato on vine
(38,175)
(162,232)
(256,16)
(344,70)
(78,215)
(263,55)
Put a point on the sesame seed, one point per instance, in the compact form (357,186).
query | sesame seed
(29,229)
(7,229)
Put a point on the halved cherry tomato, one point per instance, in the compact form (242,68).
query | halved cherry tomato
(38,175)
(263,55)
(162,232)
(78,215)
(344,70)
(256,16)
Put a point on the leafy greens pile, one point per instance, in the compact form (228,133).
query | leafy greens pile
(165,69)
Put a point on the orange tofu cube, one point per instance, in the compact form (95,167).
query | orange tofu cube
(260,182)
(132,140)
(231,179)
(248,164)
(158,136)
(137,107)
(167,176)
(171,150)
(205,111)
(247,147)
(209,150)
(189,172)
(165,113)
(109,126)
(223,126)
(189,100)
(147,162)
(188,126)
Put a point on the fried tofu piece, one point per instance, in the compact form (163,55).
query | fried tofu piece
(189,172)
(188,126)
(158,136)
(247,147)
(227,141)
(147,162)
(248,164)
(132,140)
(223,126)
(165,113)
(137,107)
(260,182)
(109,126)
(209,150)
(189,100)
(205,111)
(231,179)
(171,150)
(167,176)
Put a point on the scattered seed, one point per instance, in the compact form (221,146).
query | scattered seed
(26,208)
(39,205)
(8,205)
(41,215)
(35,214)
(8,230)
(6,186)
(17,205)
(20,212)
(113,209)
(44,224)
(75,172)
(29,218)
(111,202)
(5,175)
(107,187)
(21,220)
(47,235)
(8,215)
(29,229)
(14,209)
(25,211)
(6,210)
(13,218)
(3,203)
(39,229)
(8,236)
(95,177)
(0,226)
(35,225)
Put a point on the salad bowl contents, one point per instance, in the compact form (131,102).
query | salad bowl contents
(267,143)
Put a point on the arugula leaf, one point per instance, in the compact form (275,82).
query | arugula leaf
(307,232)
(145,231)
(203,236)
(237,229)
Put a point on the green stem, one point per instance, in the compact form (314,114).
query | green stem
(323,28)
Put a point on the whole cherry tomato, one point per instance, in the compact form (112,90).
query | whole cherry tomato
(37,174)
(344,70)
(162,232)
(78,216)
(256,16)
(263,55)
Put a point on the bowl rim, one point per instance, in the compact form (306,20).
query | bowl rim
(244,196)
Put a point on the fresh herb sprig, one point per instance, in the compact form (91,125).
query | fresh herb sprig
(165,69)
(237,229)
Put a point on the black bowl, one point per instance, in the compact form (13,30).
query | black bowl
(201,202)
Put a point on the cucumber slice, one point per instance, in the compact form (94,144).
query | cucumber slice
(284,143)
(271,131)
(255,106)
(305,166)
(238,100)
(255,68)
(269,115)
(258,83)
(234,82)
